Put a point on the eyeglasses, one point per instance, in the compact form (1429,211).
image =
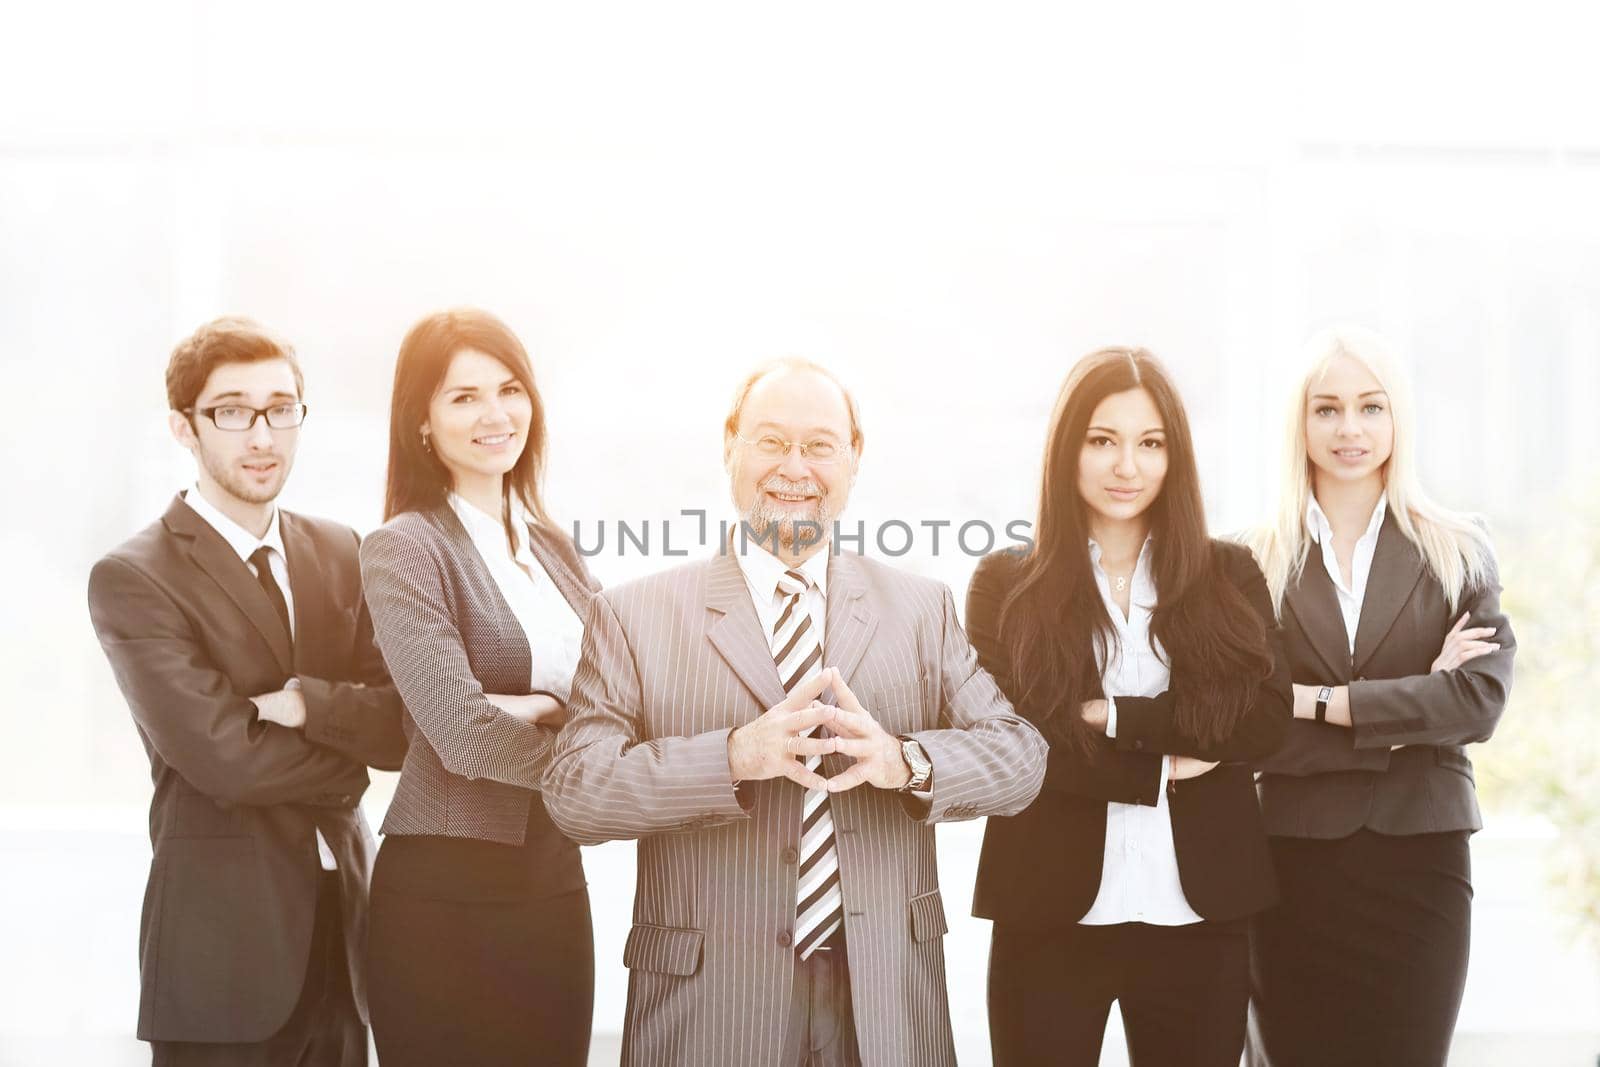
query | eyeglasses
(771,446)
(237,418)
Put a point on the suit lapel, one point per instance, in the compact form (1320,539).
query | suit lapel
(735,632)
(1396,569)
(851,620)
(1315,604)
(571,589)
(219,561)
(307,583)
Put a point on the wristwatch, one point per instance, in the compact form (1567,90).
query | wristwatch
(917,760)
(1323,696)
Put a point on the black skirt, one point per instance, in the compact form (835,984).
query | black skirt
(1364,959)
(480,952)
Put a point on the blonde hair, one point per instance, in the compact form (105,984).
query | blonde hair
(1454,545)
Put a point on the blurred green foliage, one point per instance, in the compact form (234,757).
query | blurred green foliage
(1545,757)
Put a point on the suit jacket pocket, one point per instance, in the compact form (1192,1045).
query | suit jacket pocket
(218,973)
(663,949)
(898,708)
(927,916)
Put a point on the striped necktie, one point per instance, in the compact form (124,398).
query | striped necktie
(797,648)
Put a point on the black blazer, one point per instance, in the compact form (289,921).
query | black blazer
(449,637)
(1330,781)
(232,894)
(1042,868)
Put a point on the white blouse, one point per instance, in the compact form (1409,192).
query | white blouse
(553,630)
(1353,595)
(1139,880)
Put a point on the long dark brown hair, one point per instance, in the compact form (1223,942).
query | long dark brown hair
(1055,623)
(418,480)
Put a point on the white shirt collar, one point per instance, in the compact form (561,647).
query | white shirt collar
(1140,565)
(762,570)
(1321,529)
(486,530)
(239,539)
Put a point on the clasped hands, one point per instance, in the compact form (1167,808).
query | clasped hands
(778,742)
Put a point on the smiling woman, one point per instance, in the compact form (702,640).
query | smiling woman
(478,425)
(465,370)
(480,934)
(1401,656)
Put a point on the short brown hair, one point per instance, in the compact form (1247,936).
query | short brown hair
(230,339)
(730,427)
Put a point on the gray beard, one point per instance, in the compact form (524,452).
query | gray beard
(761,518)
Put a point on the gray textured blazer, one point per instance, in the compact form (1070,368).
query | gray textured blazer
(671,663)
(449,637)
(1330,781)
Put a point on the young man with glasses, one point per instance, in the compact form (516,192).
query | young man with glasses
(238,634)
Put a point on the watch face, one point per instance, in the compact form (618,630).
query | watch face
(915,758)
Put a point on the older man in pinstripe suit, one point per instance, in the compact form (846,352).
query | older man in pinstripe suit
(780,730)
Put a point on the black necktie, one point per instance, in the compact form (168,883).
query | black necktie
(261,559)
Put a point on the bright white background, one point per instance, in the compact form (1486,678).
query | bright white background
(946,203)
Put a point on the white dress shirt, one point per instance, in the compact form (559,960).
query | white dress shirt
(245,544)
(1139,880)
(761,573)
(553,630)
(1350,596)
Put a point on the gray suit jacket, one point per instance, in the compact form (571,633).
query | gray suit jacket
(1330,781)
(449,637)
(673,662)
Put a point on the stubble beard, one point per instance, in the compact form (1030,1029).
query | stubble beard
(232,480)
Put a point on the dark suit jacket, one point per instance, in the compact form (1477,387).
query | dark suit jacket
(1330,781)
(450,637)
(191,635)
(1042,868)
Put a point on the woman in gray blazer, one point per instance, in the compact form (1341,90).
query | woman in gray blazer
(480,944)
(1401,656)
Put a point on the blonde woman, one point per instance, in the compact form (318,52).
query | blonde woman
(1401,656)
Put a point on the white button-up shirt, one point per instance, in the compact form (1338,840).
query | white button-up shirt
(1350,596)
(245,544)
(762,570)
(553,630)
(1139,875)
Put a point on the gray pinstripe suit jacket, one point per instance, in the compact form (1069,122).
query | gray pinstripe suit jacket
(671,663)
(449,637)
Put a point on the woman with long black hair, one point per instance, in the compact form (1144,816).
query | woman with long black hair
(1146,653)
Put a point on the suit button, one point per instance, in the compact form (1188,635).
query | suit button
(1138,746)
(785,939)
(790,855)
